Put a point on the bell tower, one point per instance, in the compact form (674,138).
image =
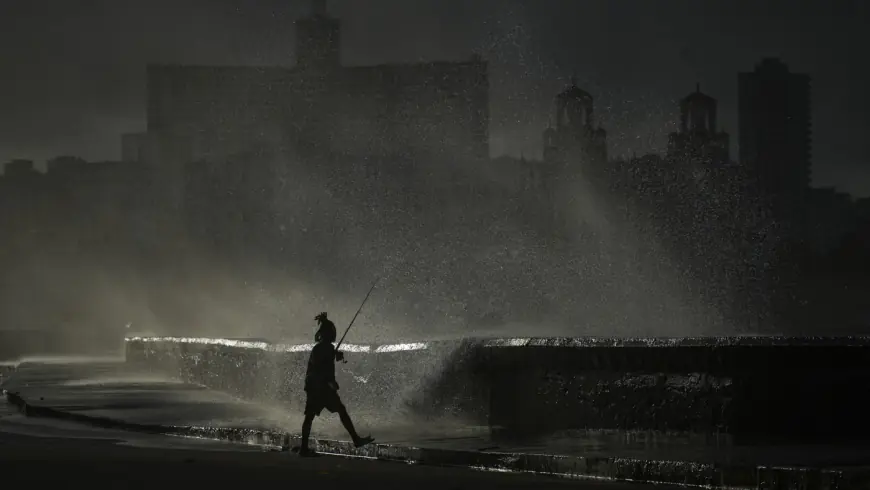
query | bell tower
(698,113)
(698,139)
(575,139)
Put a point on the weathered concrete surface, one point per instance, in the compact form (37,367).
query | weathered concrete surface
(754,387)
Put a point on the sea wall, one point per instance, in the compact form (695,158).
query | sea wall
(749,387)
(428,380)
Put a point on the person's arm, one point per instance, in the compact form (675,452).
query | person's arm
(331,368)
(326,365)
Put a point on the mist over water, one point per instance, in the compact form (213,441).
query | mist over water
(266,237)
(483,272)
(451,264)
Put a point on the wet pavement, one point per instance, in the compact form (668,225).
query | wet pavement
(15,426)
(113,390)
(55,462)
(44,452)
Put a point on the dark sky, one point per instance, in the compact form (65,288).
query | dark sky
(73,71)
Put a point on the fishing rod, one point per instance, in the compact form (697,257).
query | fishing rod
(357,314)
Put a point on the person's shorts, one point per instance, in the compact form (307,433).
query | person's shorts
(317,400)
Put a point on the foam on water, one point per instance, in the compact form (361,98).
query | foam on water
(579,342)
(270,347)
(401,347)
(243,344)
(123,381)
(63,360)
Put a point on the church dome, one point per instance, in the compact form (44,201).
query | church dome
(575,92)
(698,97)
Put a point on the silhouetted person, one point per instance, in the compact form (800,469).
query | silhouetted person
(321,389)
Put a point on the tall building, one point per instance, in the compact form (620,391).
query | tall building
(319,108)
(574,150)
(775,129)
(19,168)
(698,139)
(574,141)
(234,137)
(775,145)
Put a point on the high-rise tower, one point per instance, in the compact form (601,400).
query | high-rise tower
(775,128)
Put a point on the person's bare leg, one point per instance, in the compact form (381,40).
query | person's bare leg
(348,425)
(306,432)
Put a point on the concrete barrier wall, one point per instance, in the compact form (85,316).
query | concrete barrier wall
(748,387)
(753,388)
(422,379)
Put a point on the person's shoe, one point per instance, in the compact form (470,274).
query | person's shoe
(363,441)
(307,453)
